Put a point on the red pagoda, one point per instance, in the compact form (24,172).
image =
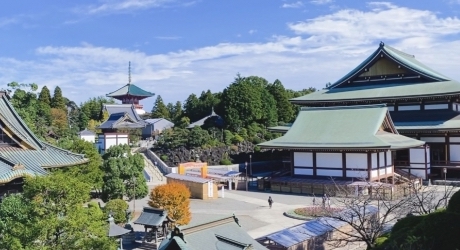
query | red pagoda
(131,94)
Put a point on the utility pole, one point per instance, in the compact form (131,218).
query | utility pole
(246,167)
(134,198)
(445,186)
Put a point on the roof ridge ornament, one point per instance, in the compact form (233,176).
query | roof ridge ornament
(382,44)
(129,72)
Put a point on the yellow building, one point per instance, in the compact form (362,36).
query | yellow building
(200,188)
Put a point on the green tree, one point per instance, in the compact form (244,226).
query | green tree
(118,209)
(91,172)
(177,113)
(198,137)
(191,108)
(159,109)
(58,101)
(284,108)
(123,174)
(45,96)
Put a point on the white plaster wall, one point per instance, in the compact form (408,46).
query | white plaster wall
(329,160)
(356,161)
(88,138)
(417,155)
(454,139)
(381,159)
(374,173)
(325,172)
(391,108)
(303,171)
(428,159)
(433,139)
(455,106)
(357,174)
(303,159)
(123,140)
(389,170)
(374,160)
(111,136)
(410,107)
(454,152)
(382,171)
(437,106)
(109,142)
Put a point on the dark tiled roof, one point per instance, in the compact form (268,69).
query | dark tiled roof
(426,119)
(130,89)
(152,217)
(86,132)
(30,155)
(122,116)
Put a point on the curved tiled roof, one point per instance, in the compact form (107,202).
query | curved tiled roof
(130,89)
(27,151)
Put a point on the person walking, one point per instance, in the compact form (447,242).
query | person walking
(328,202)
(270,201)
(314,200)
(324,201)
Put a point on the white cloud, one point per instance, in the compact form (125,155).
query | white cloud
(297,4)
(322,50)
(126,5)
(252,31)
(320,2)
(7,21)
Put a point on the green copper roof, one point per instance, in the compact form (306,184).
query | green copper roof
(382,92)
(130,89)
(27,155)
(424,82)
(348,127)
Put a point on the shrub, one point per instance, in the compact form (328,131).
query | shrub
(118,209)
(454,203)
(316,211)
(225,162)
(237,139)
(164,157)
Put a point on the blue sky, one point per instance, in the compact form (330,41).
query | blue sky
(179,47)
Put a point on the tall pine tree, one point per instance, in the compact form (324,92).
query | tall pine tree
(159,109)
(284,108)
(45,96)
(58,101)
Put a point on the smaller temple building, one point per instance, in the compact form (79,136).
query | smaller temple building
(347,142)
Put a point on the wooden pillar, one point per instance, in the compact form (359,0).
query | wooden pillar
(378,166)
(426,163)
(369,166)
(145,235)
(292,163)
(314,164)
(447,148)
(395,106)
(344,165)
(422,105)
(156,235)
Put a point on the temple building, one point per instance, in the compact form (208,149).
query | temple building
(124,119)
(131,94)
(422,103)
(23,154)
(344,141)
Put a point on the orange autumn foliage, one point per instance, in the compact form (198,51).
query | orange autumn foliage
(174,197)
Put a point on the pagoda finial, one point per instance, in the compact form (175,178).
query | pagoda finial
(129,72)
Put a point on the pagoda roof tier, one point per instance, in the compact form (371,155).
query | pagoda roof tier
(130,90)
(433,120)
(22,153)
(347,127)
(387,75)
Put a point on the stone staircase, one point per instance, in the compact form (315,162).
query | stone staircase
(153,175)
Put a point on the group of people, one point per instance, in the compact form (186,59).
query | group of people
(326,201)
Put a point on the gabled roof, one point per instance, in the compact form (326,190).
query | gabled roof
(187,178)
(152,217)
(130,89)
(122,116)
(202,120)
(347,127)
(160,123)
(27,155)
(387,74)
(222,233)
(86,132)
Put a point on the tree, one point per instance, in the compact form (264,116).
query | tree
(198,137)
(159,109)
(59,120)
(428,199)
(366,215)
(91,172)
(174,197)
(284,108)
(58,101)
(118,209)
(50,215)
(191,108)
(45,96)
(177,113)
(123,174)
